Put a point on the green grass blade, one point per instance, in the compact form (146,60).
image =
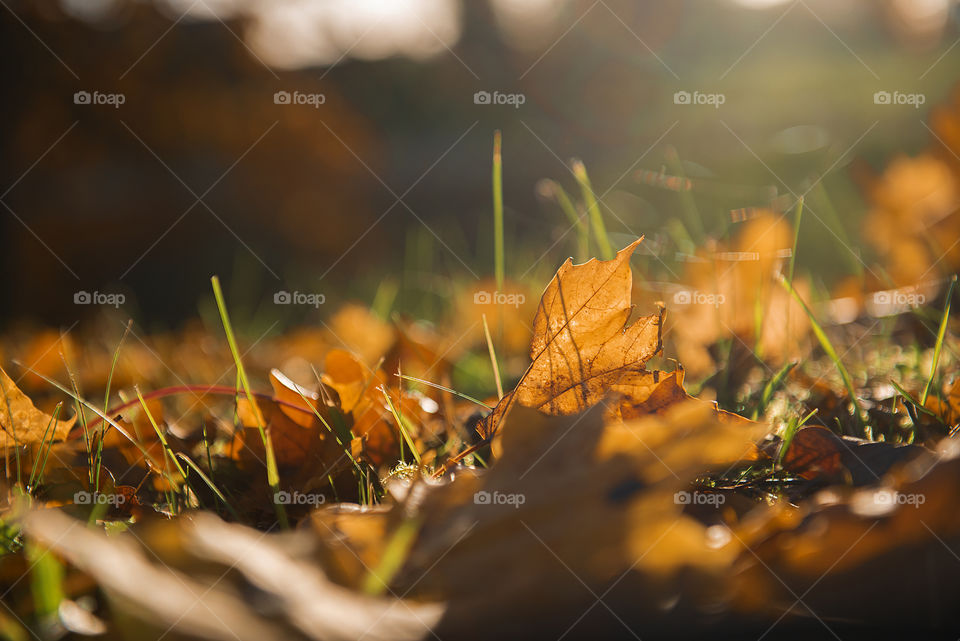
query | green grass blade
(98,459)
(163,439)
(498,252)
(832,353)
(401,424)
(912,400)
(46,580)
(273,475)
(445,389)
(941,335)
(796,237)
(493,358)
(688,205)
(555,191)
(53,419)
(340,437)
(774,384)
(394,554)
(210,484)
(793,426)
(593,211)
(93,408)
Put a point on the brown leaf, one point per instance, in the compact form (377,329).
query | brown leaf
(815,452)
(347,375)
(724,288)
(818,453)
(582,344)
(298,436)
(887,549)
(647,393)
(603,498)
(208,579)
(21,421)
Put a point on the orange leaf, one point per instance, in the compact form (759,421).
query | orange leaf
(582,345)
(21,422)
(815,451)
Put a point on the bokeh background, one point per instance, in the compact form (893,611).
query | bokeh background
(384,188)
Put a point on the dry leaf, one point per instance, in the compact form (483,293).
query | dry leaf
(882,556)
(915,219)
(581,341)
(645,392)
(298,436)
(727,288)
(582,344)
(201,578)
(818,453)
(21,422)
(815,452)
(600,497)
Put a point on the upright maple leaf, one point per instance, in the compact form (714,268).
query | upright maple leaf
(582,347)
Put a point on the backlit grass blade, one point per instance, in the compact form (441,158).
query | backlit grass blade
(498,252)
(273,475)
(53,420)
(445,389)
(593,211)
(555,191)
(774,384)
(941,335)
(394,555)
(163,439)
(493,358)
(832,353)
(80,401)
(401,425)
(210,484)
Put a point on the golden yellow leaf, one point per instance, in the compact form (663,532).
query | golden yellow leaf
(21,421)
(582,343)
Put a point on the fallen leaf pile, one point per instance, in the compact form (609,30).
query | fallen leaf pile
(615,505)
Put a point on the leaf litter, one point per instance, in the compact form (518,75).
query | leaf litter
(598,497)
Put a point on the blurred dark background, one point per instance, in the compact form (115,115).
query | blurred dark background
(200,171)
